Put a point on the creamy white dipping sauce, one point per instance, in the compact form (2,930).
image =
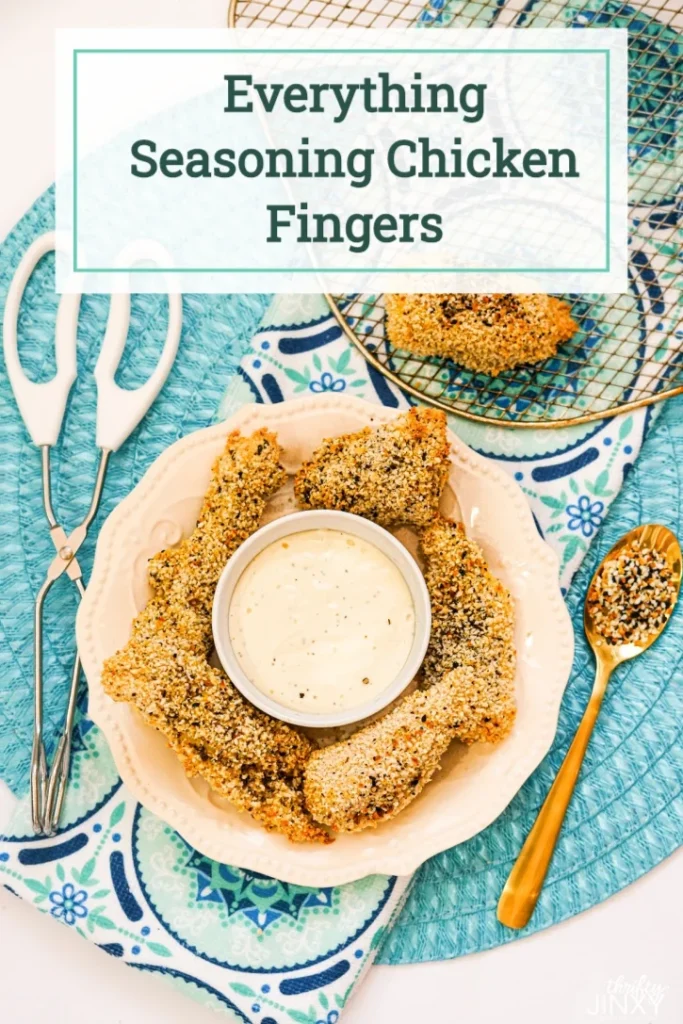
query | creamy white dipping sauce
(321,621)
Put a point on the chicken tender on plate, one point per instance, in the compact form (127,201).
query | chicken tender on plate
(394,474)
(246,756)
(473,625)
(244,476)
(378,771)
(469,676)
(253,760)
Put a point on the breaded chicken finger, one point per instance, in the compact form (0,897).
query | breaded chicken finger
(490,333)
(394,474)
(472,624)
(469,669)
(253,760)
(378,771)
(243,477)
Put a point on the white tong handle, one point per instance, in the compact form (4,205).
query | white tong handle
(120,410)
(42,404)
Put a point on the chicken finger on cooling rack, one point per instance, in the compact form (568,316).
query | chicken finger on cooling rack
(472,624)
(488,333)
(377,772)
(394,474)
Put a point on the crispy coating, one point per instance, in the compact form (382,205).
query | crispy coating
(375,774)
(490,333)
(394,474)
(485,704)
(472,624)
(469,671)
(243,478)
(254,761)
(246,756)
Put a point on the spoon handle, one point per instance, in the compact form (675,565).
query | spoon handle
(524,884)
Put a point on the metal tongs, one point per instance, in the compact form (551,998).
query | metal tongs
(42,407)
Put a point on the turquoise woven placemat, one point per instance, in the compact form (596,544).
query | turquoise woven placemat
(627,813)
(216,329)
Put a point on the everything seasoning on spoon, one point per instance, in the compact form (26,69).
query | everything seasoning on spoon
(631,596)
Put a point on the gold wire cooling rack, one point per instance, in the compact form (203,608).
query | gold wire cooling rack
(627,349)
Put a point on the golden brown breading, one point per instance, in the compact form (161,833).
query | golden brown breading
(485,704)
(394,474)
(473,625)
(469,669)
(248,757)
(254,761)
(243,477)
(490,333)
(370,777)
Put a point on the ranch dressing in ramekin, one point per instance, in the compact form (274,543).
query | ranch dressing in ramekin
(321,621)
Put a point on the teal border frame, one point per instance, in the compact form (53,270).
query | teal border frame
(336,270)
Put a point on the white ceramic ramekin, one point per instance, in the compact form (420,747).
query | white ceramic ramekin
(297,522)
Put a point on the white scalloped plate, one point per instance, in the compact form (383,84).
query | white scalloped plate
(475,784)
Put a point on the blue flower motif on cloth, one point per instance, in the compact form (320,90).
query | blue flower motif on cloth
(585,515)
(69,903)
(260,899)
(331,1018)
(242,920)
(327,383)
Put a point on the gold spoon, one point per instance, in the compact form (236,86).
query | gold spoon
(524,884)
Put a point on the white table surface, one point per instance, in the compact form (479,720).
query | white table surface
(48,973)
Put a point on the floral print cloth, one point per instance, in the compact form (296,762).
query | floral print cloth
(262,951)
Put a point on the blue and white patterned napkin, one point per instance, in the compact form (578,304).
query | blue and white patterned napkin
(265,951)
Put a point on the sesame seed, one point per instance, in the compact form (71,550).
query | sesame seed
(632,594)
(490,336)
(255,761)
(349,473)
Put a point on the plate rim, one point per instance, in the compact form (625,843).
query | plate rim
(400,859)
